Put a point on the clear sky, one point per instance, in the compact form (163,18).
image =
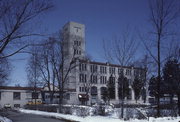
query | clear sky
(103,19)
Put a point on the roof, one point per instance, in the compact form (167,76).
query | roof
(18,88)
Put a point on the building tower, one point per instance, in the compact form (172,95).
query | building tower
(74,40)
(73,35)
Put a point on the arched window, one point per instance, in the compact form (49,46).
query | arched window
(93,90)
(103,90)
(129,95)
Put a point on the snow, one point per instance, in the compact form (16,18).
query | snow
(4,119)
(97,118)
(52,114)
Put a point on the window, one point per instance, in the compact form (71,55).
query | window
(82,78)
(129,81)
(67,96)
(112,79)
(77,52)
(35,95)
(66,29)
(77,43)
(94,90)
(102,70)
(47,96)
(103,79)
(128,72)
(112,70)
(82,89)
(93,79)
(82,67)
(94,68)
(16,95)
(120,71)
(77,29)
(16,105)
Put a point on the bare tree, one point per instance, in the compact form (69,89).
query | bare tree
(33,73)
(47,63)
(163,14)
(54,65)
(173,51)
(121,50)
(4,71)
(46,56)
(15,16)
(146,63)
(65,66)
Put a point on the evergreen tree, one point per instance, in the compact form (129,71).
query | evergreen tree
(123,91)
(105,95)
(137,86)
(123,87)
(153,86)
(111,87)
(171,76)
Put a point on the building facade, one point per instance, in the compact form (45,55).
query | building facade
(50,97)
(88,79)
(18,96)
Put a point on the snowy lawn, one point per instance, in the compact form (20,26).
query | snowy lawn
(97,118)
(4,119)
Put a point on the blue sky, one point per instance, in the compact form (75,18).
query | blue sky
(103,19)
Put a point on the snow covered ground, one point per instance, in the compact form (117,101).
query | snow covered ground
(4,119)
(97,118)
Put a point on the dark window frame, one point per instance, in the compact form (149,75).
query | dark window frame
(16,95)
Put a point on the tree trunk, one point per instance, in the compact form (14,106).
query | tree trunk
(122,108)
(51,98)
(159,76)
(171,99)
(122,104)
(178,103)
(60,100)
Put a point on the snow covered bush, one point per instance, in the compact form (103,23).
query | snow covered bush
(79,110)
(4,119)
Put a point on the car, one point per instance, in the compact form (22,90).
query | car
(7,105)
(38,102)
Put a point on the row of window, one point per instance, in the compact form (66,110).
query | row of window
(17,95)
(103,70)
(94,79)
(103,91)
(83,78)
(54,96)
(93,89)
(65,96)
